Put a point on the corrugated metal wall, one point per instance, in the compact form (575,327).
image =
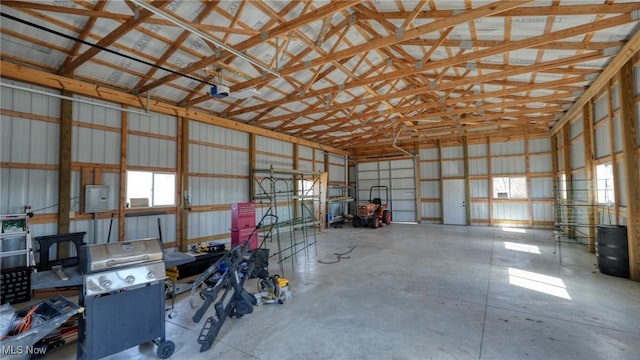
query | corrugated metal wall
(528,158)
(399,177)
(218,167)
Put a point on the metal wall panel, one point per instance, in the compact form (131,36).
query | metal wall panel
(579,185)
(95,146)
(147,151)
(576,127)
(600,108)
(617,133)
(20,187)
(479,188)
(429,154)
(622,183)
(95,114)
(477,150)
(214,191)
(159,124)
(577,153)
(542,211)
(430,189)
(218,135)
(540,163)
(319,161)
(637,122)
(452,152)
(452,168)
(542,188)
(274,146)
(211,223)
(29,141)
(510,211)
(141,227)
(305,152)
(28,102)
(305,165)
(431,210)
(337,173)
(615,97)
(539,145)
(602,142)
(429,170)
(210,160)
(479,211)
(100,236)
(478,167)
(636,80)
(508,165)
(507,148)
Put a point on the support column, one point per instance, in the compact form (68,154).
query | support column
(64,163)
(183,173)
(568,175)
(587,121)
(417,177)
(124,140)
(467,184)
(629,146)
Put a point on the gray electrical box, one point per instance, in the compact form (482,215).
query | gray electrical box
(96,198)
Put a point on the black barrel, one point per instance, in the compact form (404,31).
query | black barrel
(612,250)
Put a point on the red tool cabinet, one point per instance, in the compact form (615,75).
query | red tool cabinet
(243,222)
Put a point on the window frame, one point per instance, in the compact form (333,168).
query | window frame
(152,191)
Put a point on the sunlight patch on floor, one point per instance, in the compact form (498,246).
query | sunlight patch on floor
(531,249)
(538,282)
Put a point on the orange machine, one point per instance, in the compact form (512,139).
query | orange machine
(375,213)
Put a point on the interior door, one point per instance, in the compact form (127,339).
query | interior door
(453,202)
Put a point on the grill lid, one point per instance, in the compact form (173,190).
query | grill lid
(101,257)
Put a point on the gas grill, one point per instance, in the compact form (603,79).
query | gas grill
(124,298)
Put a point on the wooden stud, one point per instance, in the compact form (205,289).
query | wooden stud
(490,181)
(467,183)
(180,200)
(124,140)
(587,134)
(64,172)
(417,172)
(632,182)
(252,165)
(527,166)
(183,173)
(568,173)
(441,214)
(612,157)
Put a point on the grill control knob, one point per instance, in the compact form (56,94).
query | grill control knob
(105,284)
(130,279)
(151,275)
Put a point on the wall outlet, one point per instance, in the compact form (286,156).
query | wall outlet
(72,214)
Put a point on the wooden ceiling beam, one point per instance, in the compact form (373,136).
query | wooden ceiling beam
(83,34)
(566,10)
(447,85)
(112,37)
(317,14)
(486,10)
(476,55)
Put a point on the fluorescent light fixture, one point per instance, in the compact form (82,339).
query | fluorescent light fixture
(203,35)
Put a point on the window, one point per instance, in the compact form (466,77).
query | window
(510,187)
(604,176)
(148,189)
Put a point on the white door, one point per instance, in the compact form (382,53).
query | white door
(453,202)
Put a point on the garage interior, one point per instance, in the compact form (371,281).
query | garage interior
(428,179)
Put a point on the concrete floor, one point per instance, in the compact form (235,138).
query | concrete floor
(428,292)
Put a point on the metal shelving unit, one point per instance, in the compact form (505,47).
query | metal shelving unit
(338,198)
(293,198)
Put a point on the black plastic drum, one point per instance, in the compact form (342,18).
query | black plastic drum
(612,250)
